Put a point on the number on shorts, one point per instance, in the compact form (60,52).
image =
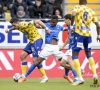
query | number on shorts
(85,16)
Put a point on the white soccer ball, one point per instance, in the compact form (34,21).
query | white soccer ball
(16,77)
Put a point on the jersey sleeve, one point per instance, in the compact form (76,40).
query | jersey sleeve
(94,19)
(31,23)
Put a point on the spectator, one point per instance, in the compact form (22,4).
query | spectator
(58,12)
(6,4)
(30,2)
(21,13)
(38,10)
(50,7)
(58,3)
(15,7)
(2,15)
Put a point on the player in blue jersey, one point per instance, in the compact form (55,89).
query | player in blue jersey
(67,58)
(51,45)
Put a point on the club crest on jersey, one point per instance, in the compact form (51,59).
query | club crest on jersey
(32,49)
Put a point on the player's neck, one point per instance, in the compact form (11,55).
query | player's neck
(82,4)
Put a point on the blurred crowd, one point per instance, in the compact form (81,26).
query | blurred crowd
(31,8)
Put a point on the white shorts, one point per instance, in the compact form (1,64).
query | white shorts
(68,53)
(50,49)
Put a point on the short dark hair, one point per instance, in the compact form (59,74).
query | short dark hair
(14,20)
(82,2)
(68,16)
(54,17)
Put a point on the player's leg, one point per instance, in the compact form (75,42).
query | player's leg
(87,47)
(59,54)
(33,66)
(42,56)
(37,47)
(23,56)
(78,44)
(67,59)
(66,67)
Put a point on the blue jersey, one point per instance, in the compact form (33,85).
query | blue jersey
(54,32)
(71,38)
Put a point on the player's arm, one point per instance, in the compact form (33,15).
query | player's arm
(66,42)
(98,30)
(40,23)
(95,20)
(74,12)
(11,29)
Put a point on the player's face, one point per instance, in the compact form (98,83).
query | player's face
(67,21)
(15,25)
(54,22)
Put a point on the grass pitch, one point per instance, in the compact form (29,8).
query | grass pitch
(52,84)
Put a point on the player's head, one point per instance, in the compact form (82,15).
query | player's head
(82,2)
(67,19)
(15,22)
(54,20)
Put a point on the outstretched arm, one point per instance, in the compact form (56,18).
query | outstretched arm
(40,23)
(11,29)
(98,30)
(66,42)
(73,18)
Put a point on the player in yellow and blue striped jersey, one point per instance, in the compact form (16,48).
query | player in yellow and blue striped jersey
(83,16)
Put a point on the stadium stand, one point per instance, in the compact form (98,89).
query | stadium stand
(93,4)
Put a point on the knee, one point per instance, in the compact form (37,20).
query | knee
(22,57)
(62,64)
(38,61)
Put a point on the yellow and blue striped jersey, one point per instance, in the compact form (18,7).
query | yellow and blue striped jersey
(30,31)
(84,17)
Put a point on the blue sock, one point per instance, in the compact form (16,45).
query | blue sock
(39,66)
(66,71)
(30,70)
(74,73)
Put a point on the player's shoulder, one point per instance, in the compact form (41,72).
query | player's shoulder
(23,23)
(48,23)
(59,26)
(77,6)
(90,10)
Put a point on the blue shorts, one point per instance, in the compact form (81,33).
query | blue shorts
(34,48)
(80,42)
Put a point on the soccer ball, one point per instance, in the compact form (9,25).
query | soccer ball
(16,77)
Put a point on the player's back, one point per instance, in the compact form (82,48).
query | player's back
(30,31)
(83,19)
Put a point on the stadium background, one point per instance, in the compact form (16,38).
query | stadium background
(11,45)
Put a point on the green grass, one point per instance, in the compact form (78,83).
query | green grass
(52,84)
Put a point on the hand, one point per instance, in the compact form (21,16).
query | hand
(6,30)
(98,39)
(60,48)
(48,31)
(72,30)
(59,16)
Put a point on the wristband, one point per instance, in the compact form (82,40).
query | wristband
(46,28)
(8,29)
(71,27)
(98,36)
